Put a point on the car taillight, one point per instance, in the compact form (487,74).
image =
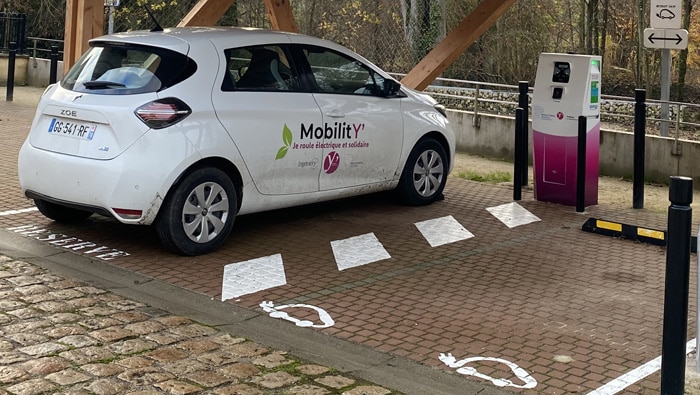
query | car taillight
(128,213)
(162,113)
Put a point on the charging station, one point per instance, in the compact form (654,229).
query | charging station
(566,87)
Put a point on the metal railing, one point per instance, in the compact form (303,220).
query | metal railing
(617,112)
(41,47)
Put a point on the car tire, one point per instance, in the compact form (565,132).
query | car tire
(425,173)
(199,212)
(60,213)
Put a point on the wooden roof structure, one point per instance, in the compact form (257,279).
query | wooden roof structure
(85,20)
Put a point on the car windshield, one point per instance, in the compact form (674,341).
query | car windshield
(127,69)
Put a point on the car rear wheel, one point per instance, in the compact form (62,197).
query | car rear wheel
(198,215)
(424,174)
(60,213)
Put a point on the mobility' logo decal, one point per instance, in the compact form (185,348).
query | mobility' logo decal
(339,135)
(287,140)
(331,163)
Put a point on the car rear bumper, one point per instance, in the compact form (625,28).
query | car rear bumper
(94,185)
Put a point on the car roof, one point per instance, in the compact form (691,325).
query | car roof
(175,36)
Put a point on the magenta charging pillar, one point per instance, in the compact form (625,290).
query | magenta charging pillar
(566,87)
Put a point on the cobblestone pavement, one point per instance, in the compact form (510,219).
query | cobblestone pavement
(61,336)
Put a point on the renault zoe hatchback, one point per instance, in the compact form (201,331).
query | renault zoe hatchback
(187,128)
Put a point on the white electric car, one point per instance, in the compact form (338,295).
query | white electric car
(188,127)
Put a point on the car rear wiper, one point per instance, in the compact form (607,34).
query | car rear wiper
(103,84)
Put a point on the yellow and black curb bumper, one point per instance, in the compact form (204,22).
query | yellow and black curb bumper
(630,232)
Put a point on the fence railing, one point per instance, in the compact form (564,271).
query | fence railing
(616,112)
(41,47)
(13,29)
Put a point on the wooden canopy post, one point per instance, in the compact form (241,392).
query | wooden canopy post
(206,13)
(457,41)
(281,15)
(84,20)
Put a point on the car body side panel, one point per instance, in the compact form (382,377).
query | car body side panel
(365,138)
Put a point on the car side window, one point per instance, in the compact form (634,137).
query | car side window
(259,68)
(337,73)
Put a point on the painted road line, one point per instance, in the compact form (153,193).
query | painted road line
(636,375)
(20,211)
(443,230)
(251,276)
(513,214)
(358,251)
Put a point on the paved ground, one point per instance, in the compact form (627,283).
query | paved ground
(537,308)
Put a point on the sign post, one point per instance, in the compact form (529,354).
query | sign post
(110,22)
(666,34)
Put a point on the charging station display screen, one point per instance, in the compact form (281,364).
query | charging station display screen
(562,72)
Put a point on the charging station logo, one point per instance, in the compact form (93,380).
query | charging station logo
(560,115)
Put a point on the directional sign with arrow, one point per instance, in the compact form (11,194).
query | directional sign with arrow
(666,38)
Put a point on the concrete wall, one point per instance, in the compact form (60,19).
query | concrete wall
(495,137)
(39,70)
(20,69)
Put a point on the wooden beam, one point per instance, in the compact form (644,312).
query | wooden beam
(84,20)
(457,41)
(206,13)
(281,16)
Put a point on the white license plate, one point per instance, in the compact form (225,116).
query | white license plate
(84,131)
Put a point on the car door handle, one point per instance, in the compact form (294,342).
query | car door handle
(335,114)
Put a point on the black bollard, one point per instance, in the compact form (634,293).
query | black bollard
(676,287)
(518,153)
(581,164)
(11,72)
(640,122)
(53,71)
(523,103)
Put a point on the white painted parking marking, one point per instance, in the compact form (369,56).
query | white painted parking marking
(512,214)
(71,243)
(637,374)
(20,211)
(251,276)
(452,362)
(443,230)
(276,312)
(358,251)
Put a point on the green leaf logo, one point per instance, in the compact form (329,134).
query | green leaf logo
(282,153)
(287,140)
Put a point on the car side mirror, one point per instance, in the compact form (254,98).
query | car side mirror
(391,88)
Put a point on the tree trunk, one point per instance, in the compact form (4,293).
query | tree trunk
(683,58)
(604,29)
(639,80)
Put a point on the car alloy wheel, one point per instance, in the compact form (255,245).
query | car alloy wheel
(424,174)
(198,214)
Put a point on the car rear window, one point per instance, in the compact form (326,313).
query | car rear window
(118,69)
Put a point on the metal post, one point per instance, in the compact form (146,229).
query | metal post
(581,164)
(697,310)
(11,72)
(640,126)
(676,287)
(110,20)
(518,153)
(665,91)
(54,64)
(523,103)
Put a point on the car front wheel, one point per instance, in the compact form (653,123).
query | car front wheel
(424,174)
(198,215)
